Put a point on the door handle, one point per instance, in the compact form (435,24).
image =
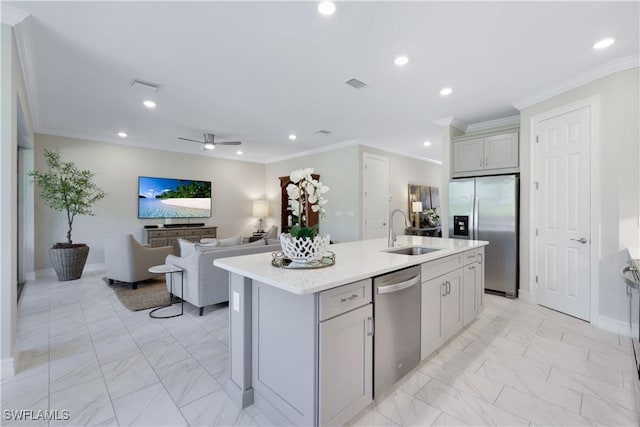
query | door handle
(581,240)
(448,287)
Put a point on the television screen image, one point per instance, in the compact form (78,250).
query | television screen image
(173,198)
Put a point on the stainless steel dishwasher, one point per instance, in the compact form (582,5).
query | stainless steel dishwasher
(396,343)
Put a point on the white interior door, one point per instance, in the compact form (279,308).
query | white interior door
(375,183)
(562,212)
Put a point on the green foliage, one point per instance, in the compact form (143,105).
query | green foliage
(310,232)
(194,190)
(65,188)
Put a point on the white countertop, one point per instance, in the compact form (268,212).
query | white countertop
(354,261)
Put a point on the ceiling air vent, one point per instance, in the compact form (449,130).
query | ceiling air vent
(356,83)
(323,132)
(141,84)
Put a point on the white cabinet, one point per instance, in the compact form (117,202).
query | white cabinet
(452,299)
(485,154)
(346,356)
(441,316)
(346,352)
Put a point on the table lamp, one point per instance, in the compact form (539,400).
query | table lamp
(416,208)
(260,211)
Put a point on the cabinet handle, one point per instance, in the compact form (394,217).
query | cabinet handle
(448,287)
(480,161)
(470,256)
(343,300)
(486,161)
(370,326)
(472,267)
(444,289)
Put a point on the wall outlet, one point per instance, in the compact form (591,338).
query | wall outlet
(236,302)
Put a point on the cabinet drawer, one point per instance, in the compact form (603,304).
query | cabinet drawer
(157,233)
(175,233)
(344,298)
(209,231)
(470,257)
(191,232)
(158,242)
(441,266)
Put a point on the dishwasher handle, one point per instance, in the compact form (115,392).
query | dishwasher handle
(399,286)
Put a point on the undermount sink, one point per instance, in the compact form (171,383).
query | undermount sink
(412,250)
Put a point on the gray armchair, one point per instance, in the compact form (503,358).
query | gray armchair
(128,261)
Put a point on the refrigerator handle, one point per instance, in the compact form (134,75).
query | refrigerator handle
(476,209)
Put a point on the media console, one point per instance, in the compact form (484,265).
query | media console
(166,236)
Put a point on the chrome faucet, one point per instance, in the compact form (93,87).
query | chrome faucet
(392,235)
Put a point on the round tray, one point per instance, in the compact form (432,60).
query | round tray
(280,261)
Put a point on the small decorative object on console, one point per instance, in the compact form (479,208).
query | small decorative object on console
(303,244)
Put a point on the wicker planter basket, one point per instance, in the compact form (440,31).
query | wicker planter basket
(69,262)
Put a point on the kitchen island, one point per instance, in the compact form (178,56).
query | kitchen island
(301,340)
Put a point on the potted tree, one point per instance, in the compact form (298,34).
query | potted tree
(65,188)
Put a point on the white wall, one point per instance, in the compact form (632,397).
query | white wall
(402,172)
(617,157)
(12,88)
(117,167)
(341,170)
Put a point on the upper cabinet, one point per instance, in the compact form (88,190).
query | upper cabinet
(485,155)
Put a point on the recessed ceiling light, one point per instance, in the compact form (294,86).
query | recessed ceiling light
(446,91)
(293,137)
(427,143)
(239,153)
(209,146)
(401,60)
(149,104)
(327,8)
(122,134)
(604,43)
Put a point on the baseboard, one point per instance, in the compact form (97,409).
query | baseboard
(526,296)
(616,326)
(7,367)
(89,268)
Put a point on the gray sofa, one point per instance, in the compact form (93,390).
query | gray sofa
(205,284)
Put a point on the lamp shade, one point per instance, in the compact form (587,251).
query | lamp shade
(416,207)
(260,208)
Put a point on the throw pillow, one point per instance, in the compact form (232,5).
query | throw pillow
(210,240)
(207,246)
(259,242)
(230,241)
(186,247)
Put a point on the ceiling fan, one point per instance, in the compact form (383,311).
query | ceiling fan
(210,142)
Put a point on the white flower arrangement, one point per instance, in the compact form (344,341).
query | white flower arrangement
(305,193)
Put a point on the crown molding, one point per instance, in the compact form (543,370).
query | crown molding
(24,43)
(11,16)
(579,80)
(331,147)
(400,153)
(450,121)
(492,124)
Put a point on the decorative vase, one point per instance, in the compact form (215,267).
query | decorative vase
(304,250)
(68,263)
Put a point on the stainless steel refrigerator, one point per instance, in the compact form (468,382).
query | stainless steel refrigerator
(486,208)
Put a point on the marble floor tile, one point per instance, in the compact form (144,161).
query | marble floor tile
(187,381)
(59,349)
(475,385)
(372,418)
(129,374)
(564,397)
(496,341)
(189,335)
(115,347)
(163,351)
(88,404)
(608,413)
(403,409)
(459,358)
(608,344)
(446,420)
(529,366)
(465,407)
(215,409)
(74,370)
(598,389)
(26,390)
(538,411)
(150,406)
(212,354)
(411,384)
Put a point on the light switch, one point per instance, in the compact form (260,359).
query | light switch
(236,301)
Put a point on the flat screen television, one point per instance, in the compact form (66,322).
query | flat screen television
(173,198)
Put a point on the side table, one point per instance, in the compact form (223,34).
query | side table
(171,269)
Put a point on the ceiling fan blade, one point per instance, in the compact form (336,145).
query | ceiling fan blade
(227,142)
(192,140)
